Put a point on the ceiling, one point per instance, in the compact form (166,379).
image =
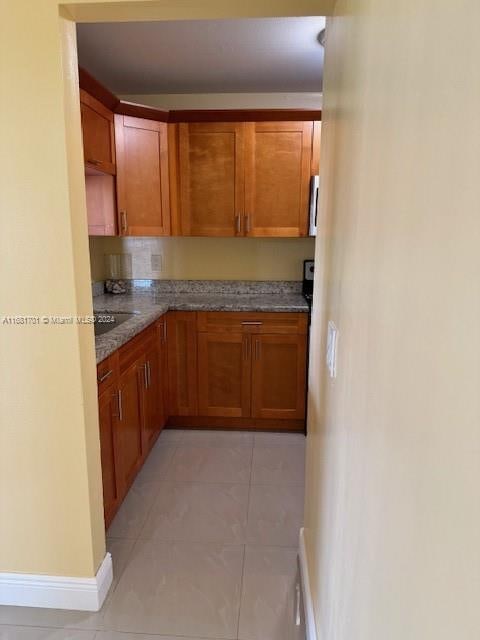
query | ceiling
(204,56)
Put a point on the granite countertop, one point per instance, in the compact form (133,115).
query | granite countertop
(149,305)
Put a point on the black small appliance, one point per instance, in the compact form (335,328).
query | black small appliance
(308,275)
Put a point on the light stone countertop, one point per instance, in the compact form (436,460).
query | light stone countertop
(148,307)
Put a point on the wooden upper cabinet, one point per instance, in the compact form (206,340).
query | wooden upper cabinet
(243,178)
(224,370)
(211,178)
(278,376)
(277,178)
(101,203)
(316,139)
(98,134)
(142,177)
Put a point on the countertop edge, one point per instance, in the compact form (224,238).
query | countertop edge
(113,340)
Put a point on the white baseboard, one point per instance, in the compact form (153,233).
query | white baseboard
(57,592)
(311,629)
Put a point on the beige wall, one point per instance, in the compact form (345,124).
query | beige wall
(204,258)
(229,100)
(393,479)
(50,484)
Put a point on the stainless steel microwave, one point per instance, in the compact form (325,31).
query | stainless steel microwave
(314,190)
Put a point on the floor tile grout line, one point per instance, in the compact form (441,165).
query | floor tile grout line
(154,501)
(96,632)
(240,599)
(212,543)
(155,635)
(246,538)
(137,538)
(110,593)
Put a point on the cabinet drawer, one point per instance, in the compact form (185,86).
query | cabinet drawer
(136,347)
(107,372)
(255,322)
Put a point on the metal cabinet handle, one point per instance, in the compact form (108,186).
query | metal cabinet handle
(257,349)
(165,331)
(105,376)
(251,323)
(123,218)
(247,224)
(145,375)
(120,407)
(149,374)
(246,348)
(238,224)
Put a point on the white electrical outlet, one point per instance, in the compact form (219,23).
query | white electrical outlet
(332,345)
(156,262)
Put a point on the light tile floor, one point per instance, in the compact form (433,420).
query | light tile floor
(204,546)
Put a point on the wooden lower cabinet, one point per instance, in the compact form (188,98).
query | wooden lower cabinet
(252,365)
(182,363)
(131,412)
(279,376)
(224,374)
(153,413)
(108,415)
(130,422)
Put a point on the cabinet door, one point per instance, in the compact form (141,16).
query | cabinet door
(277,178)
(98,134)
(278,376)
(142,176)
(108,414)
(163,370)
(130,421)
(211,178)
(316,140)
(224,371)
(182,363)
(153,402)
(101,204)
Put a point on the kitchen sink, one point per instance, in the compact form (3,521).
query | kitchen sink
(105,321)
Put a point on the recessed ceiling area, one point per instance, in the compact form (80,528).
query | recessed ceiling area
(205,56)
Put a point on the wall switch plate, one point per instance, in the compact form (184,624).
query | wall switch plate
(332,341)
(156,262)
